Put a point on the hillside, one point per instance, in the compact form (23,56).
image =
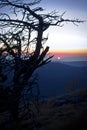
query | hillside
(67,113)
(58,78)
(65,104)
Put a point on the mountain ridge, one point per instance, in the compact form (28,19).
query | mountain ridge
(55,78)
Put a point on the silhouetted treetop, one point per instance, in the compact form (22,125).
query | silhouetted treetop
(22,50)
(22,29)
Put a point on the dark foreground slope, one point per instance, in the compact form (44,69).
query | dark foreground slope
(67,113)
(58,78)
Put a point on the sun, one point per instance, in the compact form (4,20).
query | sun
(59,58)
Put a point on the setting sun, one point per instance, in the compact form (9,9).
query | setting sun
(59,58)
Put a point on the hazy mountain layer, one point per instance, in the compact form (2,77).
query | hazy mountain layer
(57,79)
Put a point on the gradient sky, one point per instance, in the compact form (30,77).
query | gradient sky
(69,37)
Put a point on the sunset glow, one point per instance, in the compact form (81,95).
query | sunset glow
(68,40)
(60,54)
(59,58)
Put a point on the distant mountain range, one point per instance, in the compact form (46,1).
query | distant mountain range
(58,78)
(76,63)
(75,58)
(73,63)
(71,58)
(79,61)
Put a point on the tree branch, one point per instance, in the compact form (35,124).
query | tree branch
(19,21)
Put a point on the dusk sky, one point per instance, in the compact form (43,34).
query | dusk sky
(69,38)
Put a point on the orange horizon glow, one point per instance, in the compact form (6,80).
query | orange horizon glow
(68,53)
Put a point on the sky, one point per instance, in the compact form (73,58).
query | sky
(69,38)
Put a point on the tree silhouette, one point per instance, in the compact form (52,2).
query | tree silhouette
(22,49)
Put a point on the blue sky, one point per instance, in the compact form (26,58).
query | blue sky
(66,4)
(69,37)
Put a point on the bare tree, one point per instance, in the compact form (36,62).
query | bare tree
(22,45)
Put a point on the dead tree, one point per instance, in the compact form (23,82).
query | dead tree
(22,44)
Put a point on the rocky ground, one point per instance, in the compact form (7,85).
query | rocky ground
(68,112)
(62,113)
